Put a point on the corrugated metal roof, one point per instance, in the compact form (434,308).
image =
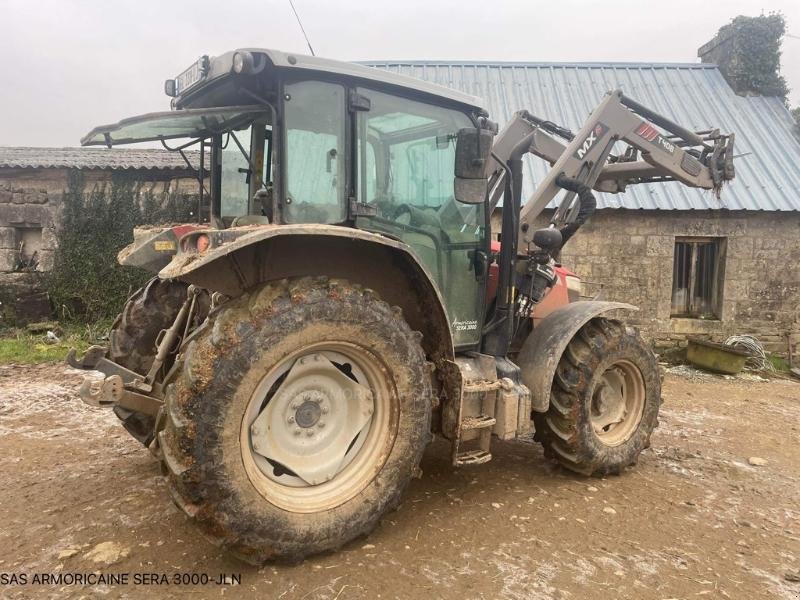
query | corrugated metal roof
(95,158)
(694,95)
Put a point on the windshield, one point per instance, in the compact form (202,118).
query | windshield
(190,124)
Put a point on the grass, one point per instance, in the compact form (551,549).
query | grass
(23,347)
(779,364)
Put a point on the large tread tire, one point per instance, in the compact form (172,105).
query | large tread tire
(566,430)
(153,307)
(200,443)
(132,341)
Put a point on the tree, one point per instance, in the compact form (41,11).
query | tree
(796,114)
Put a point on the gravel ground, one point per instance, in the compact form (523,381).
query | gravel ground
(711,511)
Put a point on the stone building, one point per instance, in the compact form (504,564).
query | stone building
(694,264)
(32,184)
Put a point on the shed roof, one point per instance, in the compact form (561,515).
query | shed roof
(693,95)
(95,158)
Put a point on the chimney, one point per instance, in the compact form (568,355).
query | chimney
(721,51)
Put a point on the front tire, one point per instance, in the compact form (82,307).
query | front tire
(604,401)
(299,417)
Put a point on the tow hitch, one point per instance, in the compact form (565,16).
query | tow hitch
(121,387)
(126,388)
(107,393)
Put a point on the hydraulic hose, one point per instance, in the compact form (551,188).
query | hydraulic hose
(587,204)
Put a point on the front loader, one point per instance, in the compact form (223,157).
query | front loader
(341,300)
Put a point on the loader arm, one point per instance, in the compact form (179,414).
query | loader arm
(696,159)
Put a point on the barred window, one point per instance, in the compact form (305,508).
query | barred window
(697,273)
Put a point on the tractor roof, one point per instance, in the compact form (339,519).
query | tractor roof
(221,66)
(212,96)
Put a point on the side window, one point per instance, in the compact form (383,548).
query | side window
(235,169)
(315,152)
(238,178)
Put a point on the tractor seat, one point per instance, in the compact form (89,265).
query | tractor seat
(250,220)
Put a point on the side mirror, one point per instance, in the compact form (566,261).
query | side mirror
(473,150)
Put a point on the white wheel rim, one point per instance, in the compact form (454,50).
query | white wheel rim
(312,436)
(618,403)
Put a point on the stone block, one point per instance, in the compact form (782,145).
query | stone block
(735,289)
(38,214)
(46,260)
(33,308)
(36,197)
(49,238)
(18,198)
(696,326)
(8,260)
(740,247)
(5,196)
(8,238)
(12,214)
(660,245)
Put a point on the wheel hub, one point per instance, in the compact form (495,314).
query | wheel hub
(309,412)
(618,403)
(312,420)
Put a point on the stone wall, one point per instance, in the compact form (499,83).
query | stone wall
(630,254)
(30,215)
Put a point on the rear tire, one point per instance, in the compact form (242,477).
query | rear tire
(245,368)
(132,341)
(604,401)
(153,307)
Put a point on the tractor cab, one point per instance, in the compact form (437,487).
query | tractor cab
(289,139)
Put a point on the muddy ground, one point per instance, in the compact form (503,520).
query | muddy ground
(694,520)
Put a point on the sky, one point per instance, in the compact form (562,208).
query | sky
(68,65)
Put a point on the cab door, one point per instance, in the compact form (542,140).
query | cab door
(406,162)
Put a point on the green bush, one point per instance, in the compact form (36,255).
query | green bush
(755,60)
(87,284)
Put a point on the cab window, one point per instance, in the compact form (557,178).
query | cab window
(246,168)
(314,113)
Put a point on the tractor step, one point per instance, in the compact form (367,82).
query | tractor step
(478,422)
(488,405)
(472,457)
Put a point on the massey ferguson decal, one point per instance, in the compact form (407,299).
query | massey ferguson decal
(651,134)
(598,132)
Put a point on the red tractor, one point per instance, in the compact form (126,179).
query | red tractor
(343,300)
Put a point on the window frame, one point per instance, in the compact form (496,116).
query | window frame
(717,278)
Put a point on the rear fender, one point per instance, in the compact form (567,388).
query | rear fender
(241,258)
(543,348)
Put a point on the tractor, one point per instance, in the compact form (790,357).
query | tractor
(341,298)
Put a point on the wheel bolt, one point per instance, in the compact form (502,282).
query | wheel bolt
(290,419)
(297,431)
(309,432)
(325,410)
(321,424)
